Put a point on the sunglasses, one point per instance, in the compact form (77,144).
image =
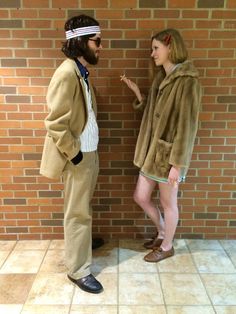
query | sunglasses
(97,41)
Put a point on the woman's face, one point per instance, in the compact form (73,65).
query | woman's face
(160,53)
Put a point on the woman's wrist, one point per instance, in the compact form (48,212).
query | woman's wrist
(176,167)
(139,97)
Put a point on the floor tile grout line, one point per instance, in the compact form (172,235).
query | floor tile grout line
(202,281)
(214,250)
(230,258)
(72,297)
(12,249)
(118,278)
(162,290)
(36,275)
(46,251)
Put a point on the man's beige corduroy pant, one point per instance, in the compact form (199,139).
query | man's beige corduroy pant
(79,185)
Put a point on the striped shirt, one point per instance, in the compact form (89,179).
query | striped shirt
(89,138)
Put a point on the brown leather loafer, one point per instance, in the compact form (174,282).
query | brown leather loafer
(154,243)
(158,255)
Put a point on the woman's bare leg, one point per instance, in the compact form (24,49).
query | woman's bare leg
(142,196)
(168,199)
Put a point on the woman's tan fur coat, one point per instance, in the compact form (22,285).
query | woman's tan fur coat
(169,124)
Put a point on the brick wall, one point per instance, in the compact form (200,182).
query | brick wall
(31,32)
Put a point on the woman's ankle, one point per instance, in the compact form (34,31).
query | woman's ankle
(161,235)
(166,247)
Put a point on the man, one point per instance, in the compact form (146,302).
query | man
(70,147)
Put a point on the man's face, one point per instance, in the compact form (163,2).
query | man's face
(91,54)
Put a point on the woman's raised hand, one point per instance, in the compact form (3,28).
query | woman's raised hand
(133,86)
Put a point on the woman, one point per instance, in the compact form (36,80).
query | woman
(166,137)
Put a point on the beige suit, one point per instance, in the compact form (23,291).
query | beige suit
(66,120)
(66,99)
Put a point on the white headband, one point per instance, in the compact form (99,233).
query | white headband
(81,31)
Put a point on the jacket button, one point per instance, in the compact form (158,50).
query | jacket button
(157,115)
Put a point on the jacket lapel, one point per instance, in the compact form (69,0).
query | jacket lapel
(81,80)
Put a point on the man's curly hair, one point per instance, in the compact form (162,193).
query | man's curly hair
(75,47)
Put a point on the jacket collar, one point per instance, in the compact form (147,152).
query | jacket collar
(184,69)
(83,70)
(76,69)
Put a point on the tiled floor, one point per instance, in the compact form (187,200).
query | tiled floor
(199,279)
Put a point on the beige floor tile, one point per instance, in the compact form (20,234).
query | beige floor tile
(3,257)
(51,288)
(11,308)
(195,245)
(23,262)
(180,244)
(230,248)
(183,284)
(221,288)
(139,289)
(147,309)
(7,245)
(46,309)
(209,261)
(229,245)
(105,261)
(57,245)
(14,288)
(109,245)
(183,289)
(93,309)
(32,245)
(107,297)
(225,309)
(131,261)
(232,256)
(181,262)
(136,245)
(54,262)
(190,310)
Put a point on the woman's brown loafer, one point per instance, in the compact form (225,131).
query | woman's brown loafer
(154,243)
(158,255)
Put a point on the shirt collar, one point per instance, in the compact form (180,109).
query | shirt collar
(83,70)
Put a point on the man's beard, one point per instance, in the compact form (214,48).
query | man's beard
(90,56)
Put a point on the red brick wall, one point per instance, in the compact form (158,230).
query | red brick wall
(31,32)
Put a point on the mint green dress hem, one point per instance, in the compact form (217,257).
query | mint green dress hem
(161,180)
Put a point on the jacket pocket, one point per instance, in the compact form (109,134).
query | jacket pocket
(163,150)
(53,161)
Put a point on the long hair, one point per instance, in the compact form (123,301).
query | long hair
(75,47)
(178,50)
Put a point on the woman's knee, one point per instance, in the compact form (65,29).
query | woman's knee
(168,204)
(139,198)
(136,197)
